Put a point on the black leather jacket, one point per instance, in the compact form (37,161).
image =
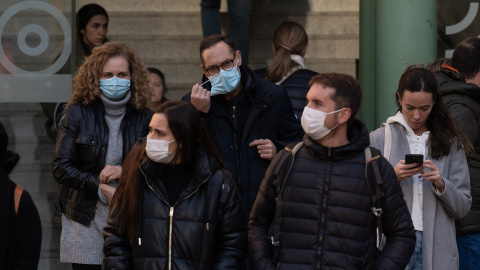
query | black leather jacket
(203,229)
(80,153)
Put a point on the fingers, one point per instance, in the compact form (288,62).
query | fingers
(109,173)
(260,142)
(200,98)
(266,148)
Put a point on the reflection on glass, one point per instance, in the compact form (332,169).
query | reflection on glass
(36,42)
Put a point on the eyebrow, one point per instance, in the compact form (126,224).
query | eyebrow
(411,106)
(221,63)
(315,100)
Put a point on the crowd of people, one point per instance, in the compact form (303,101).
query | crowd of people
(264,169)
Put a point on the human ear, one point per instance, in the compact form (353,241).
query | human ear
(344,115)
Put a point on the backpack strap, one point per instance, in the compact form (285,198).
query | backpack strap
(375,188)
(17,195)
(280,173)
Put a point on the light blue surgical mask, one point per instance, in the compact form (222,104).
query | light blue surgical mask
(114,88)
(225,81)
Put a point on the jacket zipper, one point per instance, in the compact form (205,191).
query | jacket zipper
(170,240)
(171,213)
(236,147)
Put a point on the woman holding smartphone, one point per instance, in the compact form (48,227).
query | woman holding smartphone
(438,191)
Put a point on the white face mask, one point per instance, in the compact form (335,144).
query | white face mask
(313,123)
(157,150)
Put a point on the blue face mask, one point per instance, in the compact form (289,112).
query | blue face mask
(114,88)
(224,82)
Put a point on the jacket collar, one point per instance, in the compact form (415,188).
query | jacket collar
(203,167)
(452,82)
(358,140)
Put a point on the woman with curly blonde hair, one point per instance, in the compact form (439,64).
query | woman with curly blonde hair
(106,115)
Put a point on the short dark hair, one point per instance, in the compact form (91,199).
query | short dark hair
(86,12)
(212,40)
(466,57)
(348,92)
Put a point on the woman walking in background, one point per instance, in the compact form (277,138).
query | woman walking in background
(288,66)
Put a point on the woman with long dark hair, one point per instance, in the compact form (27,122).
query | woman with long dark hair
(105,117)
(437,190)
(176,206)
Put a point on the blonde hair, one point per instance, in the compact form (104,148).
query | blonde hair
(289,38)
(87,80)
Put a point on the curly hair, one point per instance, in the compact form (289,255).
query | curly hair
(87,80)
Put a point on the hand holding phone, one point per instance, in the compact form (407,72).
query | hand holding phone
(414,158)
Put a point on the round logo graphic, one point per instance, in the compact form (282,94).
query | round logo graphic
(44,38)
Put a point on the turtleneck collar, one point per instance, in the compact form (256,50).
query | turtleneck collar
(115,108)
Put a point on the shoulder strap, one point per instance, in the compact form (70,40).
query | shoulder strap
(375,188)
(281,172)
(17,195)
(387,145)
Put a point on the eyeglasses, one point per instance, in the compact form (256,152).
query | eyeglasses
(227,65)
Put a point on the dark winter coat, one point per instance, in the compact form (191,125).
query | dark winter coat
(463,102)
(297,86)
(270,116)
(203,229)
(80,153)
(327,222)
(20,234)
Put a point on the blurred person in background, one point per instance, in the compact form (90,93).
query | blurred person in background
(159,87)
(20,225)
(288,66)
(92,28)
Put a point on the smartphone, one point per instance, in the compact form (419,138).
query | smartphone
(413,158)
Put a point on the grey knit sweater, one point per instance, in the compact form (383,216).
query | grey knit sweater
(79,243)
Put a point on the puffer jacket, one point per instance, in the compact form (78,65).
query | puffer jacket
(203,229)
(463,102)
(327,222)
(270,116)
(80,153)
(297,86)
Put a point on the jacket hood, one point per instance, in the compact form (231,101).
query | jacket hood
(358,138)
(399,118)
(451,82)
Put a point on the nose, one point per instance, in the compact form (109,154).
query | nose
(417,115)
(103,30)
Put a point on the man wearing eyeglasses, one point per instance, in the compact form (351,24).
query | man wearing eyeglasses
(249,119)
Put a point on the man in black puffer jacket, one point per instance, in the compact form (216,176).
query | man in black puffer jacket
(326,221)
(459,88)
